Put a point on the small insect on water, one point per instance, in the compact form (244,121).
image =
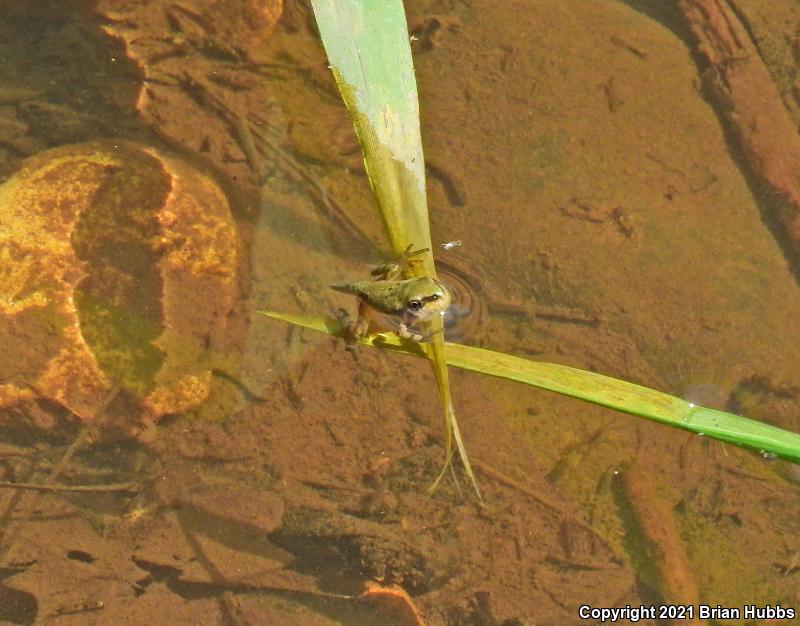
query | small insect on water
(399,303)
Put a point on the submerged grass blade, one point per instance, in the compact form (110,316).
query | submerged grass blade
(368,48)
(590,387)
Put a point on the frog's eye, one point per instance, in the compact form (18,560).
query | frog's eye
(414,305)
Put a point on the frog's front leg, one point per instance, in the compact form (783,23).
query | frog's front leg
(405,333)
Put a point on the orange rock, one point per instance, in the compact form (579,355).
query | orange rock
(118,271)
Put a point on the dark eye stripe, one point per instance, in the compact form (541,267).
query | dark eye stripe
(423,301)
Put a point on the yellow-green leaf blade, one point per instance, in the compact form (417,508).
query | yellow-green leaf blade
(590,387)
(369,53)
(368,48)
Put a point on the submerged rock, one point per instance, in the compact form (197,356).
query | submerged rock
(117,271)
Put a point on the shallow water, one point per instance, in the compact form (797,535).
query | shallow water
(606,222)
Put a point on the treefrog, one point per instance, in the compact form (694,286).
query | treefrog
(401,302)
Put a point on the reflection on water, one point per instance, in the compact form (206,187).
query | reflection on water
(626,246)
(462,321)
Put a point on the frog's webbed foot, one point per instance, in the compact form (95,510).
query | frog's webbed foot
(349,332)
(386,271)
(354,329)
(393,269)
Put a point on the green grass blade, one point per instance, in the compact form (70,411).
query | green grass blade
(368,48)
(590,387)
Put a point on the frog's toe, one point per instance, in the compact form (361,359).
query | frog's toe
(405,333)
(387,269)
(352,348)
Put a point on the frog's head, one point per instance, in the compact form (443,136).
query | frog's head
(425,298)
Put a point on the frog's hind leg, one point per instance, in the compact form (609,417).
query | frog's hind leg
(354,330)
(393,269)
(411,259)
(349,332)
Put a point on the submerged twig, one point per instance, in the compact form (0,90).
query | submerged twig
(490,472)
(749,103)
(12,539)
(654,520)
(125,487)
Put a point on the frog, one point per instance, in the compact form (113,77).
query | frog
(402,302)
